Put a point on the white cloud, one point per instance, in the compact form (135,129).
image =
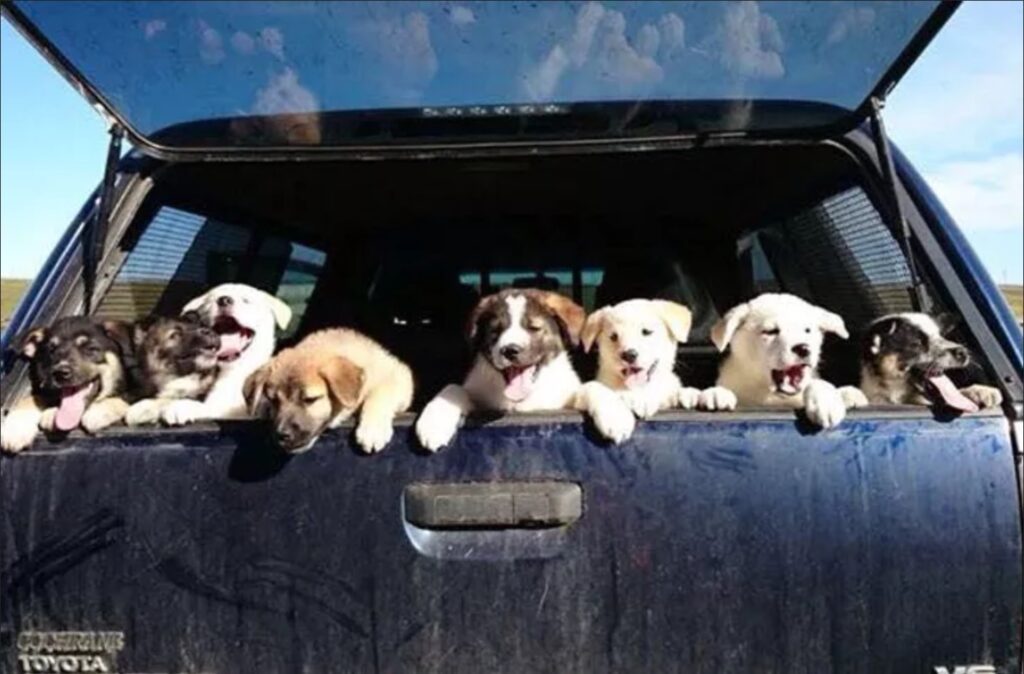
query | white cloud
(462,16)
(243,43)
(272,41)
(673,34)
(648,39)
(587,19)
(983,194)
(154,27)
(749,42)
(407,56)
(283,94)
(851,21)
(539,83)
(618,62)
(211,45)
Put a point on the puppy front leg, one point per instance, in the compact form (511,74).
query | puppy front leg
(442,416)
(21,426)
(717,398)
(146,411)
(185,411)
(824,404)
(103,414)
(377,417)
(983,396)
(612,416)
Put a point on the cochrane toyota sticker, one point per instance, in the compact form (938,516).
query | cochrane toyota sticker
(69,651)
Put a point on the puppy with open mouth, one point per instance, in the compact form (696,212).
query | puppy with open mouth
(520,340)
(904,360)
(637,344)
(175,359)
(325,379)
(774,343)
(78,380)
(244,319)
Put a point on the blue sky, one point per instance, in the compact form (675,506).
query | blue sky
(958,114)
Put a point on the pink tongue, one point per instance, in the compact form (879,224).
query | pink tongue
(951,395)
(231,344)
(72,407)
(518,387)
(635,379)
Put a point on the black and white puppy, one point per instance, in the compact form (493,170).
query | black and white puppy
(78,380)
(175,359)
(904,359)
(520,340)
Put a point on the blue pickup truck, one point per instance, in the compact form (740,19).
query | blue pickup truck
(384,165)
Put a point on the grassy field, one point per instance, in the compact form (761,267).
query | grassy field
(11,289)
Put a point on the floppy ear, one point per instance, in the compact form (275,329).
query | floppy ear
(122,333)
(592,328)
(725,328)
(252,389)
(344,379)
(677,317)
(195,303)
(570,315)
(282,312)
(29,342)
(474,316)
(830,322)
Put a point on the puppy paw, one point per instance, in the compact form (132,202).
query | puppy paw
(823,404)
(182,412)
(19,430)
(613,418)
(983,396)
(103,415)
(853,397)
(717,399)
(438,423)
(48,420)
(374,435)
(642,403)
(688,397)
(143,412)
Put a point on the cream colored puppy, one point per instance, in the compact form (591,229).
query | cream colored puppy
(637,341)
(325,379)
(774,345)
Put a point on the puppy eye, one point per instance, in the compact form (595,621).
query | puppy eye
(770,333)
(174,335)
(309,400)
(646,332)
(533,328)
(614,337)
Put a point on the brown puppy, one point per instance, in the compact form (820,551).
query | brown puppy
(78,380)
(325,379)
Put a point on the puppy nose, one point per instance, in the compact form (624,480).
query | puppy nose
(511,352)
(285,433)
(224,301)
(61,373)
(802,350)
(629,356)
(961,354)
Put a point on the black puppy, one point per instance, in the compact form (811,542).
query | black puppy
(78,379)
(904,359)
(175,358)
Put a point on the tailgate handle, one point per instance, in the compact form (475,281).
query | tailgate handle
(493,505)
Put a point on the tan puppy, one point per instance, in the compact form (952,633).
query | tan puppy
(637,341)
(324,380)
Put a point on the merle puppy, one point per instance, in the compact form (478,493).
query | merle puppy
(904,360)
(175,359)
(78,379)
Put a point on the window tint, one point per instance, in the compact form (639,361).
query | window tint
(180,255)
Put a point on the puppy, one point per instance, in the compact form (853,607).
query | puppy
(520,340)
(78,379)
(637,341)
(325,379)
(904,359)
(175,358)
(775,348)
(244,318)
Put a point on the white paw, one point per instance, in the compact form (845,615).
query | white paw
(438,423)
(143,412)
(19,430)
(823,404)
(48,420)
(717,399)
(642,403)
(612,417)
(181,412)
(373,436)
(688,397)
(853,397)
(101,416)
(983,396)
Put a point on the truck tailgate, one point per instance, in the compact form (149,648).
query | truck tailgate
(705,544)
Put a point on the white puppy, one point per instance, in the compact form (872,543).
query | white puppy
(637,341)
(775,349)
(244,318)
